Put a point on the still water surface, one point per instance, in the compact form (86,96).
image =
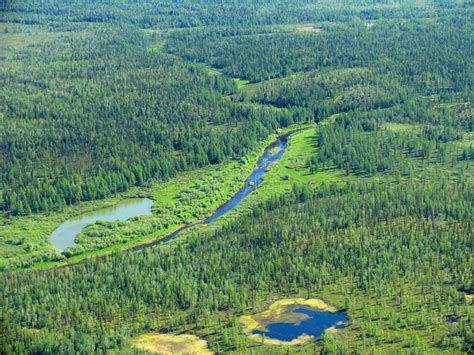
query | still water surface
(272,153)
(315,325)
(66,233)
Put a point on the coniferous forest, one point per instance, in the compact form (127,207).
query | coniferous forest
(370,207)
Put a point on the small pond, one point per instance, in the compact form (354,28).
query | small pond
(306,320)
(66,233)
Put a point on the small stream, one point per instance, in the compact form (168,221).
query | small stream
(272,153)
(64,236)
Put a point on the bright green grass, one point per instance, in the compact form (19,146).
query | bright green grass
(373,324)
(282,175)
(468,140)
(401,127)
(293,169)
(241,83)
(189,197)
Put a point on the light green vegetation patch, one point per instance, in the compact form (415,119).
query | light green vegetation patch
(467,141)
(16,37)
(188,197)
(282,175)
(170,344)
(401,127)
(241,83)
(469,298)
(25,240)
(293,167)
(307,28)
(184,200)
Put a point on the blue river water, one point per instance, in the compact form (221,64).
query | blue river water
(65,235)
(272,153)
(315,325)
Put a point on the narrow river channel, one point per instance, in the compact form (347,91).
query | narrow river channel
(272,153)
(65,235)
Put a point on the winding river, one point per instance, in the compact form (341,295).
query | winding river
(65,235)
(272,153)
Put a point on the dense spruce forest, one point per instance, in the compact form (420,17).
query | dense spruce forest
(370,207)
(371,240)
(90,117)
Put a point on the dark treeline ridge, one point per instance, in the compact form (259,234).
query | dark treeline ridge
(368,238)
(58,14)
(89,117)
(427,55)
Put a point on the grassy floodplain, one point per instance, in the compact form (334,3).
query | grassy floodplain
(291,169)
(187,198)
(279,180)
(370,209)
(372,316)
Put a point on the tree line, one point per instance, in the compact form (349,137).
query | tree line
(73,15)
(427,56)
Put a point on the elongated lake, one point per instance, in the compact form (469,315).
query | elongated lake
(66,233)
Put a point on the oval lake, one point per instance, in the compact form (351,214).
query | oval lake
(314,323)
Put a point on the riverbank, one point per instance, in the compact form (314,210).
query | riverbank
(188,198)
(148,242)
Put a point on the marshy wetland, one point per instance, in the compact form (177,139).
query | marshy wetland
(170,344)
(293,321)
